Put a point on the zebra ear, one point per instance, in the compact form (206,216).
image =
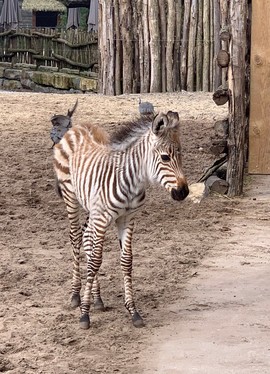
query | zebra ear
(159,124)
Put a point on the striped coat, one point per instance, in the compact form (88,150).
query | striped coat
(107,176)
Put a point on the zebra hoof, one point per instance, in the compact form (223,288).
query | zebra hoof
(85,322)
(137,320)
(75,301)
(98,305)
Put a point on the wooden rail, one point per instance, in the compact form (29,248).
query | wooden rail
(57,48)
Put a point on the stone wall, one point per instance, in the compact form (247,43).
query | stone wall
(16,77)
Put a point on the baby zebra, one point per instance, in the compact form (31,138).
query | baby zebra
(108,177)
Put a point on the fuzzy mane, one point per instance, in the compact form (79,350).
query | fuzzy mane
(130,132)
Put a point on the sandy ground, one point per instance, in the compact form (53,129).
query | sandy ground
(222,325)
(176,248)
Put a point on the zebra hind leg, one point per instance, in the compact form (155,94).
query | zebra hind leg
(75,234)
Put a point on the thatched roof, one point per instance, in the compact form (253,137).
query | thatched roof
(43,5)
(75,3)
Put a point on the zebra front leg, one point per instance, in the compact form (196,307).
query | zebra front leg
(93,245)
(125,227)
(98,303)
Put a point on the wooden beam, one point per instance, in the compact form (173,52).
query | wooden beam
(259,130)
(237,104)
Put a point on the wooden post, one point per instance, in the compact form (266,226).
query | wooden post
(170,43)
(199,48)
(154,28)
(163,32)
(184,44)
(206,45)
(118,54)
(191,45)
(126,26)
(237,107)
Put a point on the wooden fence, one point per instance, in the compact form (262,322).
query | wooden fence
(161,45)
(50,47)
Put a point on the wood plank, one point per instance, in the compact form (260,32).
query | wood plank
(259,133)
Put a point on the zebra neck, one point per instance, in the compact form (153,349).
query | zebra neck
(134,164)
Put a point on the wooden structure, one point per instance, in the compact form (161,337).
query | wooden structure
(259,131)
(44,12)
(159,45)
(57,48)
(233,59)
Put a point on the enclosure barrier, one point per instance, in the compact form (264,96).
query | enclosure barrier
(50,47)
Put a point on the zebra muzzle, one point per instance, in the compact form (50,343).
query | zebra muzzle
(180,193)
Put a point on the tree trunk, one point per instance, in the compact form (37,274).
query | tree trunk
(237,107)
(191,45)
(155,81)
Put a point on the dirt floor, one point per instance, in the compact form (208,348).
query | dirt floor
(39,333)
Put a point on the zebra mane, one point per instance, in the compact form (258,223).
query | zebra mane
(130,132)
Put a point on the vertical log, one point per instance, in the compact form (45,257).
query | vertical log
(206,44)
(185,36)
(224,9)
(217,44)
(101,44)
(163,31)
(118,50)
(191,45)
(211,46)
(170,43)
(135,44)
(179,6)
(237,108)
(199,48)
(126,27)
(140,42)
(110,48)
(146,37)
(155,80)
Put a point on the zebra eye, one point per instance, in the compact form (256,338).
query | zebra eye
(165,157)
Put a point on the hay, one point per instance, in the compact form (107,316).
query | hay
(43,5)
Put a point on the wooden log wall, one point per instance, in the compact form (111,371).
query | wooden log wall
(160,45)
(58,48)
(234,59)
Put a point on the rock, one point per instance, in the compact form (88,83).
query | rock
(13,74)
(11,85)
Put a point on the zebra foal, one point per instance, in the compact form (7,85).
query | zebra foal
(107,177)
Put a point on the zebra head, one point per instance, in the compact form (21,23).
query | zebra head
(166,163)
